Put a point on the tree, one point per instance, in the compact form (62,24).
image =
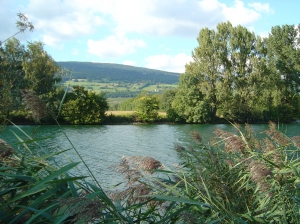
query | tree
(41,71)
(283,46)
(189,102)
(206,69)
(147,107)
(227,76)
(84,107)
(11,75)
(166,100)
(240,71)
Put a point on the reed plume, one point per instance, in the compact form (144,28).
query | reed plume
(296,141)
(5,149)
(259,174)
(83,209)
(34,105)
(134,169)
(233,143)
(196,136)
(277,136)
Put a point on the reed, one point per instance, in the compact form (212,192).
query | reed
(237,178)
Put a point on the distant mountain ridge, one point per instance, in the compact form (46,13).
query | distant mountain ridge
(106,72)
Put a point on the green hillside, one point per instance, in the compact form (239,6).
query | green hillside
(106,72)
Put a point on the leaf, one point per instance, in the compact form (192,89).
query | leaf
(179,200)
(40,186)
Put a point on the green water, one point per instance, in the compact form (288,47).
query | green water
(103,146)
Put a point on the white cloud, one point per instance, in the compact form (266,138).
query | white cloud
(114,46)
(72,18)
(129,62)
(240,15)
(261,7)
(52,41)
(62,20)
(169,17)
(172,63)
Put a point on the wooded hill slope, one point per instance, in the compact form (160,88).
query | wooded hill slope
(106,72)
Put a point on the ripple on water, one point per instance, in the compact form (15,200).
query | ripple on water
(101,147)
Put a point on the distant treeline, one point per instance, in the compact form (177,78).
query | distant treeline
(125,94)
(106,72)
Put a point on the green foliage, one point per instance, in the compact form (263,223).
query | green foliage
(11,75)
(35,189)
(166,100)
(127,105)
(84,107)
(236,179)
(119,119)
(147,107)
(189,102)
(283,49)
(241,77)
(24,67)
(41,71)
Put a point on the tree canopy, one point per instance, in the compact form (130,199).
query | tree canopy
(84,107)
(241,77)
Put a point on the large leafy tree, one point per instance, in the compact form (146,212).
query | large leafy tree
(228,76)
(242,70)
(205,68)
(283,46)
(84,107)
(41,71)
(11,75)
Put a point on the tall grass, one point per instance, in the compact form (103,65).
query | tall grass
(237,178)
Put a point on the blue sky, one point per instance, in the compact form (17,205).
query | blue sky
(157,34)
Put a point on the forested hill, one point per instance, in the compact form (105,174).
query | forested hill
(106,72)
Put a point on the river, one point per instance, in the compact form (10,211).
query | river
(102,146)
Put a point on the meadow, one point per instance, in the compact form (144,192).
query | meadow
(99,87)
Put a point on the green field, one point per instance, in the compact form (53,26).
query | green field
(117,87)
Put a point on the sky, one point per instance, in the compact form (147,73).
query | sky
(156,34)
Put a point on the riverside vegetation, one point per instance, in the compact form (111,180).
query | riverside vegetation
(235,76)
(237,178)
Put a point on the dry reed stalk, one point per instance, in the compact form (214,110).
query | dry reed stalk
(296,141)
(132,168)
(34,105)
(82,208)
(179,148)
(196,136)
(5,149)
(132,195)
(233,143)
(145,163)
(250,136)
(259,174)
(271,149)
(277,136)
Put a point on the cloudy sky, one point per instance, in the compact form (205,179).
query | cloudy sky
(158,34)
